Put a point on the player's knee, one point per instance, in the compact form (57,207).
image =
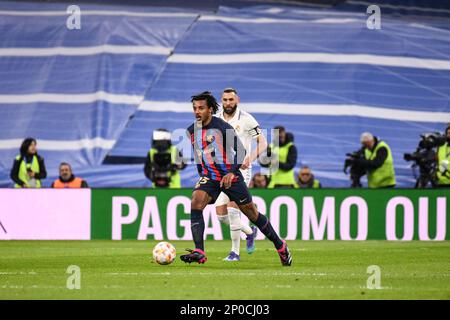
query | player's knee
(233,204)
(198,203)
(221,210)
(199,200)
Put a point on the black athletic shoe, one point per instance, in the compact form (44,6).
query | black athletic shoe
(195,255)
(285,255)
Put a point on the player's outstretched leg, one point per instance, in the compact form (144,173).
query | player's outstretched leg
(266,228)
(199,201)
(198,230)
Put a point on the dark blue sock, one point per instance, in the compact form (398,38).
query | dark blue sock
(198,228)
(266,228)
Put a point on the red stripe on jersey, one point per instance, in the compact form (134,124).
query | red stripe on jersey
(224,154)
(209,157)
(204,170)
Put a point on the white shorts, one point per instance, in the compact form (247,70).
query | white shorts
(223,199)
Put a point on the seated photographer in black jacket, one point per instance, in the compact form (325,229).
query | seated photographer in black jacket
(377,162)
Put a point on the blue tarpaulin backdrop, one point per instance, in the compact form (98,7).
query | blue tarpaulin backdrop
(319,71)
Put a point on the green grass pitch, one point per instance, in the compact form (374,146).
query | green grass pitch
(321,270)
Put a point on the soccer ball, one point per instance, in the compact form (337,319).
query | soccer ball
(164,253)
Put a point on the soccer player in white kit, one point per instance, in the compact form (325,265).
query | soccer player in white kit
(247,129)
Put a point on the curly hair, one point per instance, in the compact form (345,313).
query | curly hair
(210,100)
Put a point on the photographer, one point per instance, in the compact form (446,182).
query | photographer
(377,162)
(443,159)
(286,155)
(431,160)
(163,162)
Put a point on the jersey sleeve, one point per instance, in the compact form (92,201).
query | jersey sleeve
(252,126)
(197,160)
(190,130)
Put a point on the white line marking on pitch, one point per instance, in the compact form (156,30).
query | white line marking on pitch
(226,274)
(18,273)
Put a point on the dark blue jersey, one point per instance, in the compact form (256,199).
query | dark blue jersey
(217,149)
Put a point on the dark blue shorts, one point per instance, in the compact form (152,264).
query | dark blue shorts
(238,192)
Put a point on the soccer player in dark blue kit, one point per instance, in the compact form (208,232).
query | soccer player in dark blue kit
(219,153)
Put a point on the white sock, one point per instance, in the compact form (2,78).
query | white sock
(236,226)
(235,229)
(224,219)
(246,229)
(235,219)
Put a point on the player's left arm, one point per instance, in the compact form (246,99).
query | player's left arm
(261,143)
(261,146)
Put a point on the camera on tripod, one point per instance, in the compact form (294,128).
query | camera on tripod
(356,170)
(162,159)
(424,158)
